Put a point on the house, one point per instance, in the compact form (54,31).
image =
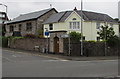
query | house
(71,21)
(30,23)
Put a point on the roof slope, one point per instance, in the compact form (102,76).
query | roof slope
(54,17)
(29,16)
(87,16)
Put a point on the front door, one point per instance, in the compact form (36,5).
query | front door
(56,45)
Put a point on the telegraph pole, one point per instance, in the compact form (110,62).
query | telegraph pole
(105,34)
(81,28)
(69,44)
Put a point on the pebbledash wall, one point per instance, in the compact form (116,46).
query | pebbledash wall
(29,44)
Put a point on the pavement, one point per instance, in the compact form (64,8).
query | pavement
(62,57)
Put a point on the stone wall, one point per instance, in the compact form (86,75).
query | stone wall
(91,49)
(23,28)
(29,44)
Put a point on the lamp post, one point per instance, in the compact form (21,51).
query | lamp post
(6,8)
(69,44)
(105,36)
(5,15)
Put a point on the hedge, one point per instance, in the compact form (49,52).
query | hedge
(3,41)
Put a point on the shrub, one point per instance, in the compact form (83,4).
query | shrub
(114,41)
(75,36)
(3,41)
(30,36)
(40,33)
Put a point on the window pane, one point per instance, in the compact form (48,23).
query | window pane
(29,26)
(74,25)
(97,25)
(11,29)
(70,25)
(111,25)
(51,26)
(20,26)
(74,18)
(78,25)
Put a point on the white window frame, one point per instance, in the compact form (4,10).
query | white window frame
(97,25)
(111,24)
(74,25)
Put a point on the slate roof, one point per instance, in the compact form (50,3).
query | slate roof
(30,16)
(87,16)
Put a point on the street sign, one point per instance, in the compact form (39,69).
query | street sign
(46,33)
(65,35)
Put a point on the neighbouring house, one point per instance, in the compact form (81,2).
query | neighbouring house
(31,23)
(71,21)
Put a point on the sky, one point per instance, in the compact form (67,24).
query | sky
(17,7)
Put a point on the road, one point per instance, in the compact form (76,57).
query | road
(18,64)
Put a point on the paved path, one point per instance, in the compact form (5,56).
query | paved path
(19,64)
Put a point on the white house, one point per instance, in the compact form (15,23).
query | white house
(71,21)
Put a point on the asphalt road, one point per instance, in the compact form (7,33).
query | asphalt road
(17,64)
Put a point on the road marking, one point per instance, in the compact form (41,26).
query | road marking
(51,57)
(14,56)
(8,59)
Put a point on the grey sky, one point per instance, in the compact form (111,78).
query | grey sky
(15,8)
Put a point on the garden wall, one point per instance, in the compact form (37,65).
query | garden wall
(29,44)
(91,49)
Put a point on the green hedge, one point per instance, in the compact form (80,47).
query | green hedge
(3,41)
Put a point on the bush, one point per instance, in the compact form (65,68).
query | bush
(113,41)
(30,36)
(3,41)
(75,36)
(40,33)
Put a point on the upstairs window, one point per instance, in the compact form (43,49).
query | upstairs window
(29,26)
(11,28)
(51,26)
(111,25)
(20,27)
(98,25)
(74,25)
(74,19)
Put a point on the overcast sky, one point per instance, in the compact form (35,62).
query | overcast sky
(15,8)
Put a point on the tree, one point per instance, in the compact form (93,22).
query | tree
(75,36)
(106,33)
